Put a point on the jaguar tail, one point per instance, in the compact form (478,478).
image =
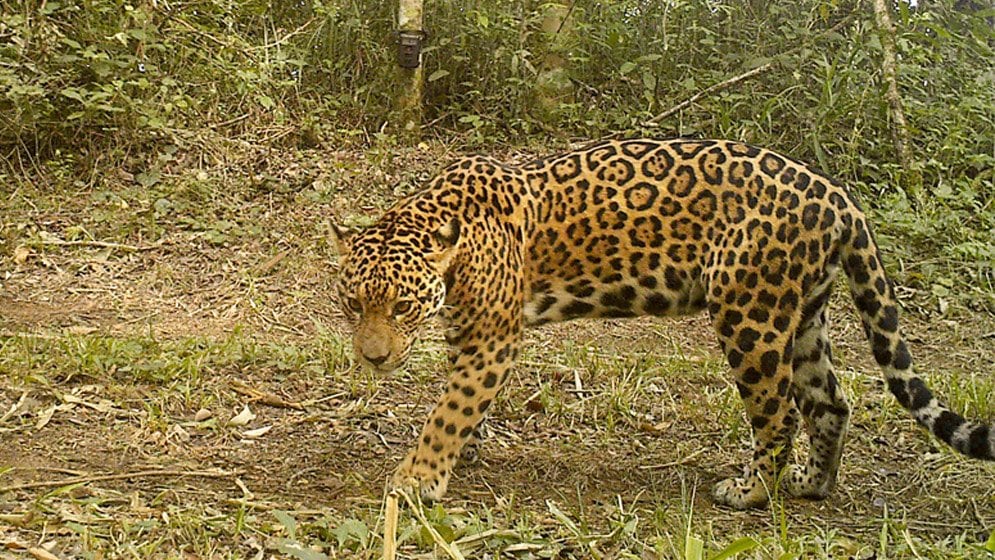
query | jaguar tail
(875,299)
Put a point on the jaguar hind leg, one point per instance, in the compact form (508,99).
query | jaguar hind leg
(470,453)
(757,340)
(823,406)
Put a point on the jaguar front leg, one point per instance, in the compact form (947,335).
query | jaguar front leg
(480,371)
(471,448)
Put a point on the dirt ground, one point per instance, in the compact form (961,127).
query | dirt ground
(69,277)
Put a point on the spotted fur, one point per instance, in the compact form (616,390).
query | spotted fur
(638,227)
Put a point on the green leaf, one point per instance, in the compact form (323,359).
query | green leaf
(445,531)
(351,530)
(739,546)
(148,178)
(64,489)
(295,549)
(288,522)
(990,545)
(223,225)
(940,290)
(694,548)
(215,237)
(438,74)
(72,93)
(563,518)
(649,80)
(627,67)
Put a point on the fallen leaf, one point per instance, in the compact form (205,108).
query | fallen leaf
(179,433)
(21,254)
(652,428)
(42,554)
(79,329)
(269,265)
(256,433)
(522,547)
(242,418)
(49,237)
(44,417)
(202,414)
(17,519)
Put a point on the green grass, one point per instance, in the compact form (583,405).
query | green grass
(167,379)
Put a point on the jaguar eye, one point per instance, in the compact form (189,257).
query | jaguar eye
(402,307)
(354,305)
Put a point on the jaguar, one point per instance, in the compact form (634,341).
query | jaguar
(635,227)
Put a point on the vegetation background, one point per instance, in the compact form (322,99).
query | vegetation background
(126,127)
(105,84)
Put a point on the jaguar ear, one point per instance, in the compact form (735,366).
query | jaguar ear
(447,239)
(340,236)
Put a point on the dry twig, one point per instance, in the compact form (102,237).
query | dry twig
(264,397)
(102,244)
(736,79)
(118,476)
(41,554)
(711,89)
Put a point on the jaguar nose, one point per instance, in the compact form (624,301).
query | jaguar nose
(377,360)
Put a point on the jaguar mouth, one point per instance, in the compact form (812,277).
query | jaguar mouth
(383,368)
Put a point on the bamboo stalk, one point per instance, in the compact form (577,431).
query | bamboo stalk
(390,527)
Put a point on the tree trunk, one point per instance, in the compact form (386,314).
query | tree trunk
(899,129)
(553,85)
(410,80)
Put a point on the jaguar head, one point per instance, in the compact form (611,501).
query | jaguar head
(391,281)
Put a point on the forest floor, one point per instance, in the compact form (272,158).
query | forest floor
(176,382)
